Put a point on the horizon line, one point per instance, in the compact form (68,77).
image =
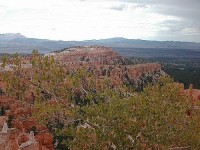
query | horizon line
(117,37)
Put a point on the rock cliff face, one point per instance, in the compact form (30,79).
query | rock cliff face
(103,61)
(20,124)
(192,94)
(195,94)
(18,137)
(100,54)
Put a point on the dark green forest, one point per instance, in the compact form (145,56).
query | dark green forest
(183,70)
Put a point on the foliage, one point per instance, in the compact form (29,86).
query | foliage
(2,111)
(86,112)
(10,118)
(184,74)
(156,118)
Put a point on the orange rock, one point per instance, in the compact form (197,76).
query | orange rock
(17,124)
(28,124)
(195,94)
(23,138)
(3,119)
(41,128)
(13,145)
(198,97)
(32,146)
(39,139)
(45,139)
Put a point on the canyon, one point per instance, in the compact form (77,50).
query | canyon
(24,132)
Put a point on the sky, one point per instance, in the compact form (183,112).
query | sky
(162,20)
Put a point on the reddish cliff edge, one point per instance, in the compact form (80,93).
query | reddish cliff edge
(101,61)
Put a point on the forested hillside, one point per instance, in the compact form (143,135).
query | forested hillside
(79,105)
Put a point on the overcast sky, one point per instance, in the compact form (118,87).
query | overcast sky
(170,20)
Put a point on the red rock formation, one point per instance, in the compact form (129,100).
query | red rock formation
(23,138)
(13,142)
(9,140)
(21,126)
(28,124)
(99,54)
(195,94)
(18,124)
(102,62)
(46,140)
(33,146)
(3,119)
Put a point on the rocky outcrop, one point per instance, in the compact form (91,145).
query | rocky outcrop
(101,62)
(18,137)
(100,54)
(195,94)
(104,62)
(192,94)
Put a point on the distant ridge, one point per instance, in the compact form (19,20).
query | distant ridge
(12,43)
(11,36)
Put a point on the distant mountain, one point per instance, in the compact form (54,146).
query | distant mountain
(12,43)
(11,36)
(137,43)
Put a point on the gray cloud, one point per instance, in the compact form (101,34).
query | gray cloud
(136,1)
(187,11)
(120,7)
(161,19)
(178,30)
(181,8)
(184,9)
